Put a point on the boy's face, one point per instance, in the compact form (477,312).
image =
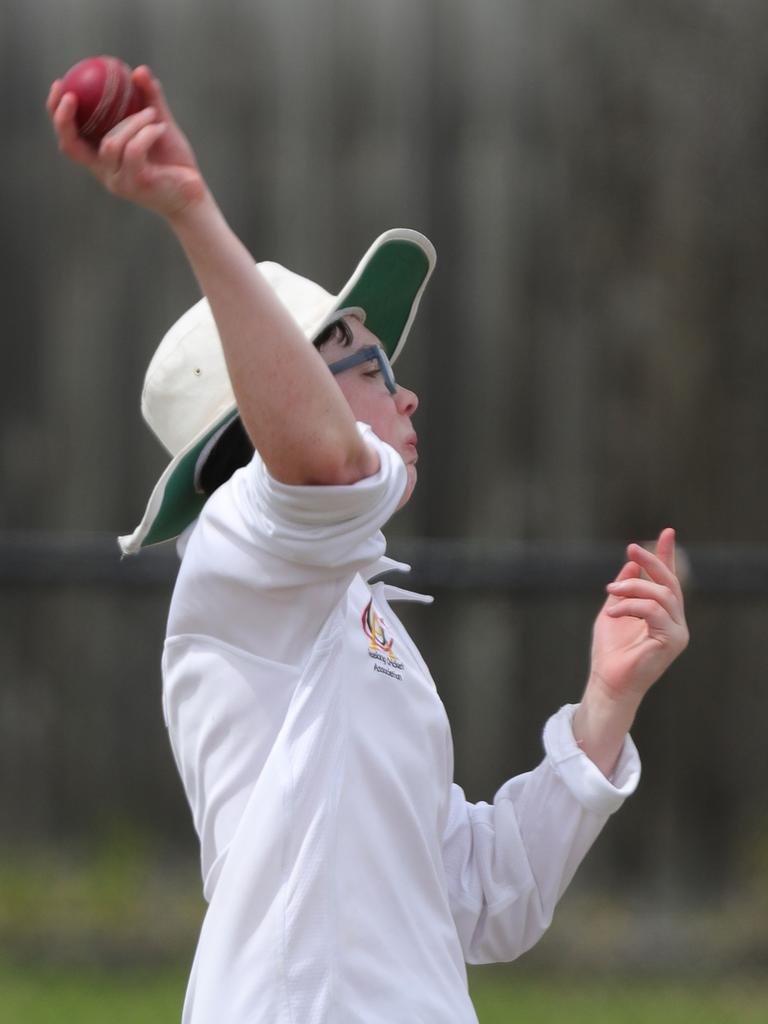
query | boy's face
(363,386)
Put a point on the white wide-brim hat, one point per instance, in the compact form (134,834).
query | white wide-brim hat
(188,401)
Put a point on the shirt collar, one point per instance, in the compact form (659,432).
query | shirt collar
(383,565)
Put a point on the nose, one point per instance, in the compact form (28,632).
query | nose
(407,401)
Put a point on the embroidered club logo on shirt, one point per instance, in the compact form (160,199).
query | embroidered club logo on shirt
(379,644)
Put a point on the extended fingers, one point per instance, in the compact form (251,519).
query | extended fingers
(152,91)
(113,146)
(138,147)
(662,628)
(54,96)
(646,590)
(665,548)
(637,608)
(62,108)
(628,571)
(654,567)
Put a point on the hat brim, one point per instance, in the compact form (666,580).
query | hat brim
(175,502)
(387,286)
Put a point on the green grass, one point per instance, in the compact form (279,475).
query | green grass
(57,997)
(112,921)
(503,999)
(502,996)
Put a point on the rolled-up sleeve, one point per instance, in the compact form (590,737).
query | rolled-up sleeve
(323,525)
(267,561)
(508,863)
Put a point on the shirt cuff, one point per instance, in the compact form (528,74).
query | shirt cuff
(582,777)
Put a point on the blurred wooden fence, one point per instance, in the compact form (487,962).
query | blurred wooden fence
(591,360)
(82,746)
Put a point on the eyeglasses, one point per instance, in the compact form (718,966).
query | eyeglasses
(367,355)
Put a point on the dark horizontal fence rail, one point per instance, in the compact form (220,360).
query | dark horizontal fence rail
(547,569)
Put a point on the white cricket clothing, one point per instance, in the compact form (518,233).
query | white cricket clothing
(348,879)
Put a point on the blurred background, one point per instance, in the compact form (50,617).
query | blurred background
(591,359)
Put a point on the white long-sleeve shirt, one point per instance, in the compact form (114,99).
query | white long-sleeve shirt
(348,879)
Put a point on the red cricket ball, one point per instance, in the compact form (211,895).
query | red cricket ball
(105,95)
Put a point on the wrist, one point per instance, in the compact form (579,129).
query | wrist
(601,723)
(198,211)
(609,699)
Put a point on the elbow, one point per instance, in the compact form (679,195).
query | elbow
(341,468)
(505,932)
(325,464)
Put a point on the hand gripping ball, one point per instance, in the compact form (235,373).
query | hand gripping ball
(105,95)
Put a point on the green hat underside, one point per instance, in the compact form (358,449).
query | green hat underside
(386,290)
(180,502)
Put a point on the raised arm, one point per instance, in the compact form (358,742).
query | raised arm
(508,863)
(289,403)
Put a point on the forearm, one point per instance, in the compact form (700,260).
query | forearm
(289,404)
(601,723)
(507,864)
(292,409)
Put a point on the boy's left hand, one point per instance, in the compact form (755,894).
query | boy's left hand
(638,633)
(641,628)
